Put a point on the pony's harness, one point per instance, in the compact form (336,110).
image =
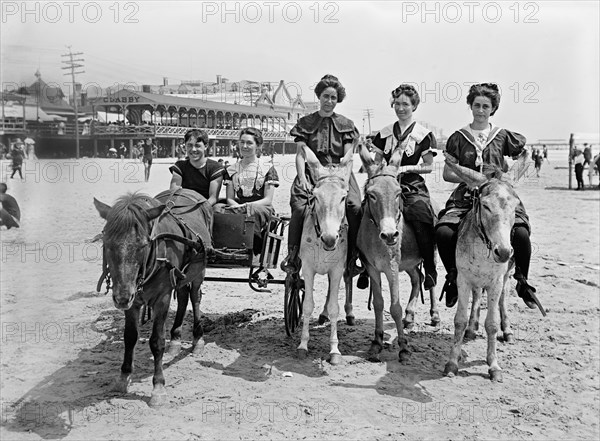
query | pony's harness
(371,218)
(311,204)
(152,263)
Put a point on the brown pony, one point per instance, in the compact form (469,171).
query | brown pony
(147,254)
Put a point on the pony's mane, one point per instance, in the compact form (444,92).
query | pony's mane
(128,213)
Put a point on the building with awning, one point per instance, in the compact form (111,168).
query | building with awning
(137,107)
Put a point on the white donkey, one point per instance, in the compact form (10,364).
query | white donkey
(484,258)
(324,244)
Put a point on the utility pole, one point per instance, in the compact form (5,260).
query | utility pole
(368,113)
(72,65)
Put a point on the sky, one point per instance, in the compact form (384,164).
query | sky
(544,55)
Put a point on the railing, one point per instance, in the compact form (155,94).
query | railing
(87,131)
(10,127)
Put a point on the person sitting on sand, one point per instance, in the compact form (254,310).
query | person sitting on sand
(10,214)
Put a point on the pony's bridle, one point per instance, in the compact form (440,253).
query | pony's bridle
(371,218)
(476,198)
(311,204)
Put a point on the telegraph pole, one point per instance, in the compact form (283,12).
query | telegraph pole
(72,64)
(368,113)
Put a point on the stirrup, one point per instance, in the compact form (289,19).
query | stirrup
(527,293)
(291,263)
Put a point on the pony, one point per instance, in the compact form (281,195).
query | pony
(148,251)
(324,245)
(388,245)
(484,258)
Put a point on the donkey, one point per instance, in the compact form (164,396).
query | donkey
(324,244)
(133,242)
(484,259)
(388,245)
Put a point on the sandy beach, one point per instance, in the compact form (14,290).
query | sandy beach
(62,342)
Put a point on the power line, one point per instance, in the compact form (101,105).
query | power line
(72,64)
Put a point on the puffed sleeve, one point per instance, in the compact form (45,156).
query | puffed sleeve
(228,174)
(216,171)
(514,143)
(452,145)
(272,177)
(299,133)
(177,168)
(429,145)
(351,136)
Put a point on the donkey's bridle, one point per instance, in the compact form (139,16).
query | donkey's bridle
(476,195)
(371,218)
(311,204)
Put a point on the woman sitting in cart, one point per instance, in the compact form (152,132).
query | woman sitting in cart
(251,183)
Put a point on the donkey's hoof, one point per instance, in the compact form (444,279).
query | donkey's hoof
(198,348)
(335,359)
(350,320)
(174,348)
(323,319)
(509,337)
(301,354)
(408,325)
(435,319)
(158,399)
(403,355)
(470,335)
(121,385)
(451,369)
(373,357)
(496,375)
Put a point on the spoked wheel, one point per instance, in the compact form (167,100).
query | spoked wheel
(292,302)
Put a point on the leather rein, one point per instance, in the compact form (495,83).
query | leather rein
(476,198)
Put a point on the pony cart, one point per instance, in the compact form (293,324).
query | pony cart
(235,247)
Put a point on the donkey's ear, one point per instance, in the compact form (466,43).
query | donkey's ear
(519,168)
(365,156)
(310,157)
(396,158)
(154,211)
(470,177)
(102,208)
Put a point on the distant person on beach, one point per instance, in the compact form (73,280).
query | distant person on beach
(587,154)
(595,166)
(538,159)
(17,155)
(10,214)
(122,150)
(29,148)
(545,152)
(149,152)
(579,160)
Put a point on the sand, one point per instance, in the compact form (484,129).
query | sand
(62,343)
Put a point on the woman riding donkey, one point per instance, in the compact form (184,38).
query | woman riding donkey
(329,136)
(417,145)
(481,146)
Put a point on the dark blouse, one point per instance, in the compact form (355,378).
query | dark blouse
(415,142)
(198,179)
(325,136)
(462,146)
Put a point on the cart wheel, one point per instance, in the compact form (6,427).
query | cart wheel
(292,302)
